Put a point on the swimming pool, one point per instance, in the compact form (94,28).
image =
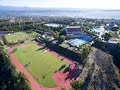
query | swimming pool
(95,30)
(79,42)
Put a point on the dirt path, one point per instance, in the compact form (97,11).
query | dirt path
(88,64)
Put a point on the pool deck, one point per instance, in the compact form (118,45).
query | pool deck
(79,42)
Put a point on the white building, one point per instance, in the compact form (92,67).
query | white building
(73,32)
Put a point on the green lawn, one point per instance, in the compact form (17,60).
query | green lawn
(20,36)
(41,63)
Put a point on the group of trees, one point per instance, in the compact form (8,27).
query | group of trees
(10,79)
(16,27)
(5,25)
(116,54)
(112,34)
(55,35)
(61,38)
(85,52)
(4,40)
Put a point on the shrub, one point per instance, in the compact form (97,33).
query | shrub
(62,38)
(67,69)
(77,85)
(4,40)
(62,67)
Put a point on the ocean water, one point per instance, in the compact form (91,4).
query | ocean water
(83,13)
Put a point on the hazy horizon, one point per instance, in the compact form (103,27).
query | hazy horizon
(77,4)
(58,7)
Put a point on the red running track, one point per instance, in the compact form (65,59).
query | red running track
(60,78)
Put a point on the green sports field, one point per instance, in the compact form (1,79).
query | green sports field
(39,63)
(20,36)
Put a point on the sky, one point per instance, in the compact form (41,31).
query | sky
(95,4)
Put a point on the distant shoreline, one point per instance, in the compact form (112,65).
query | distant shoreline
(8,11)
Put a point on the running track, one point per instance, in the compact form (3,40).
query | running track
(34,85)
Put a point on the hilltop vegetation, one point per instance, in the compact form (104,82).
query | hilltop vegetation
(9,78)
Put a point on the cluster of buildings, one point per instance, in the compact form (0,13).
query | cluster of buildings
(26,19)
(76,36)
(111,26)
(21,20)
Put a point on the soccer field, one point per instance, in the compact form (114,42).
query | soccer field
(39,63)
(20,36)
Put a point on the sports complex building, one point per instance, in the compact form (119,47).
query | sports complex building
(76,36)
(73,32)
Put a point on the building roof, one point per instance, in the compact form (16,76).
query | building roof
(73,29)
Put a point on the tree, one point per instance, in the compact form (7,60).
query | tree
(1,43)
(55,35)
(85,52)
(83,28)
(108,35)
(62,38)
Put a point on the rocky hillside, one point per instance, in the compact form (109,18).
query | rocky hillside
(99,73)
(105,75)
